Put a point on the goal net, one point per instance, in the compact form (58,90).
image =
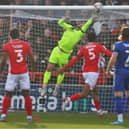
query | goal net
(38,25)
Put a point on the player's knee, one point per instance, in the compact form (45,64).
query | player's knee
(50,67)
(60,71)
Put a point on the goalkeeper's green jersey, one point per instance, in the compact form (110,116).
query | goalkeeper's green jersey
(71,36)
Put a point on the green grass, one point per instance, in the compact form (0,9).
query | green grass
(16,120)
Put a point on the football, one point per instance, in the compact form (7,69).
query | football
(98,6)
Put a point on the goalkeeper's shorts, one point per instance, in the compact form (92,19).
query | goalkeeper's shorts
(58,57)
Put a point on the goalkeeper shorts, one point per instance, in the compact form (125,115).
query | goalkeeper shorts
(58,57)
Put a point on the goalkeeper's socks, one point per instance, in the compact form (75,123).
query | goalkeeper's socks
(6,105)
(47,76)
(75,97)
(97,104)
(28,105)
(60,78)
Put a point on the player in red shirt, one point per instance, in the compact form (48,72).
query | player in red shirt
(16,52)
(91,53)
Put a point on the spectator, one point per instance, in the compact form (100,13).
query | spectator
(112,23)
(47,2)
(105,36)
(124,2)
(116,30)
(63,2)
(97,27)
(48,39)
(29,29)
(4,27)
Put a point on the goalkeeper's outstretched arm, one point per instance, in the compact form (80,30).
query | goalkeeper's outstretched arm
(90,21)
(65,23)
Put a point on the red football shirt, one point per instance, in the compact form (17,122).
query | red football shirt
(17,51)
(91,53)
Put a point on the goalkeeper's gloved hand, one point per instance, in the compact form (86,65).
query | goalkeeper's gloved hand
(96,13)
(66,19)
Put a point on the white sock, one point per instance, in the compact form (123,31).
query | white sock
(45,88)
(3,115)
(57,86)
(29,117)
(68,98)
(120,117)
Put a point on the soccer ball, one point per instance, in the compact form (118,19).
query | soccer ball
(98,6)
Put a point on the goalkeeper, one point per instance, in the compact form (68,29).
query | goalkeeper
(61,53)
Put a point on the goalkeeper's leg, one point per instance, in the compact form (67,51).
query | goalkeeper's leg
(60,79)
(46,78)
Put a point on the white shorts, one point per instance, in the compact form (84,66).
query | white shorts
(91,78)
(14,80)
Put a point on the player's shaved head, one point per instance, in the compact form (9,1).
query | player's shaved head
(125,34)
(14,33)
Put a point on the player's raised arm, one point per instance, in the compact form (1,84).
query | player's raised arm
(86,26)
(65,23)
(3,60)
(95,14)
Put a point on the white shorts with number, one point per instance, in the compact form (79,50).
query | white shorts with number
(91,78)
(14,80)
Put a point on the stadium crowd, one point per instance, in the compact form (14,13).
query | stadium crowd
(64,2)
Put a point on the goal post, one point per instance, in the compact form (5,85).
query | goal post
(74,7)
(38,25)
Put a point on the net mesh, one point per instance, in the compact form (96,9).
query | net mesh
(39,27)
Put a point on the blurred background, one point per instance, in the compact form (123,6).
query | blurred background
(40,28)
(63,2)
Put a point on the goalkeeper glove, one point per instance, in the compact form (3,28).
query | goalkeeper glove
(96,13)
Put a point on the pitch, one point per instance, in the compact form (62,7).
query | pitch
(62,120)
